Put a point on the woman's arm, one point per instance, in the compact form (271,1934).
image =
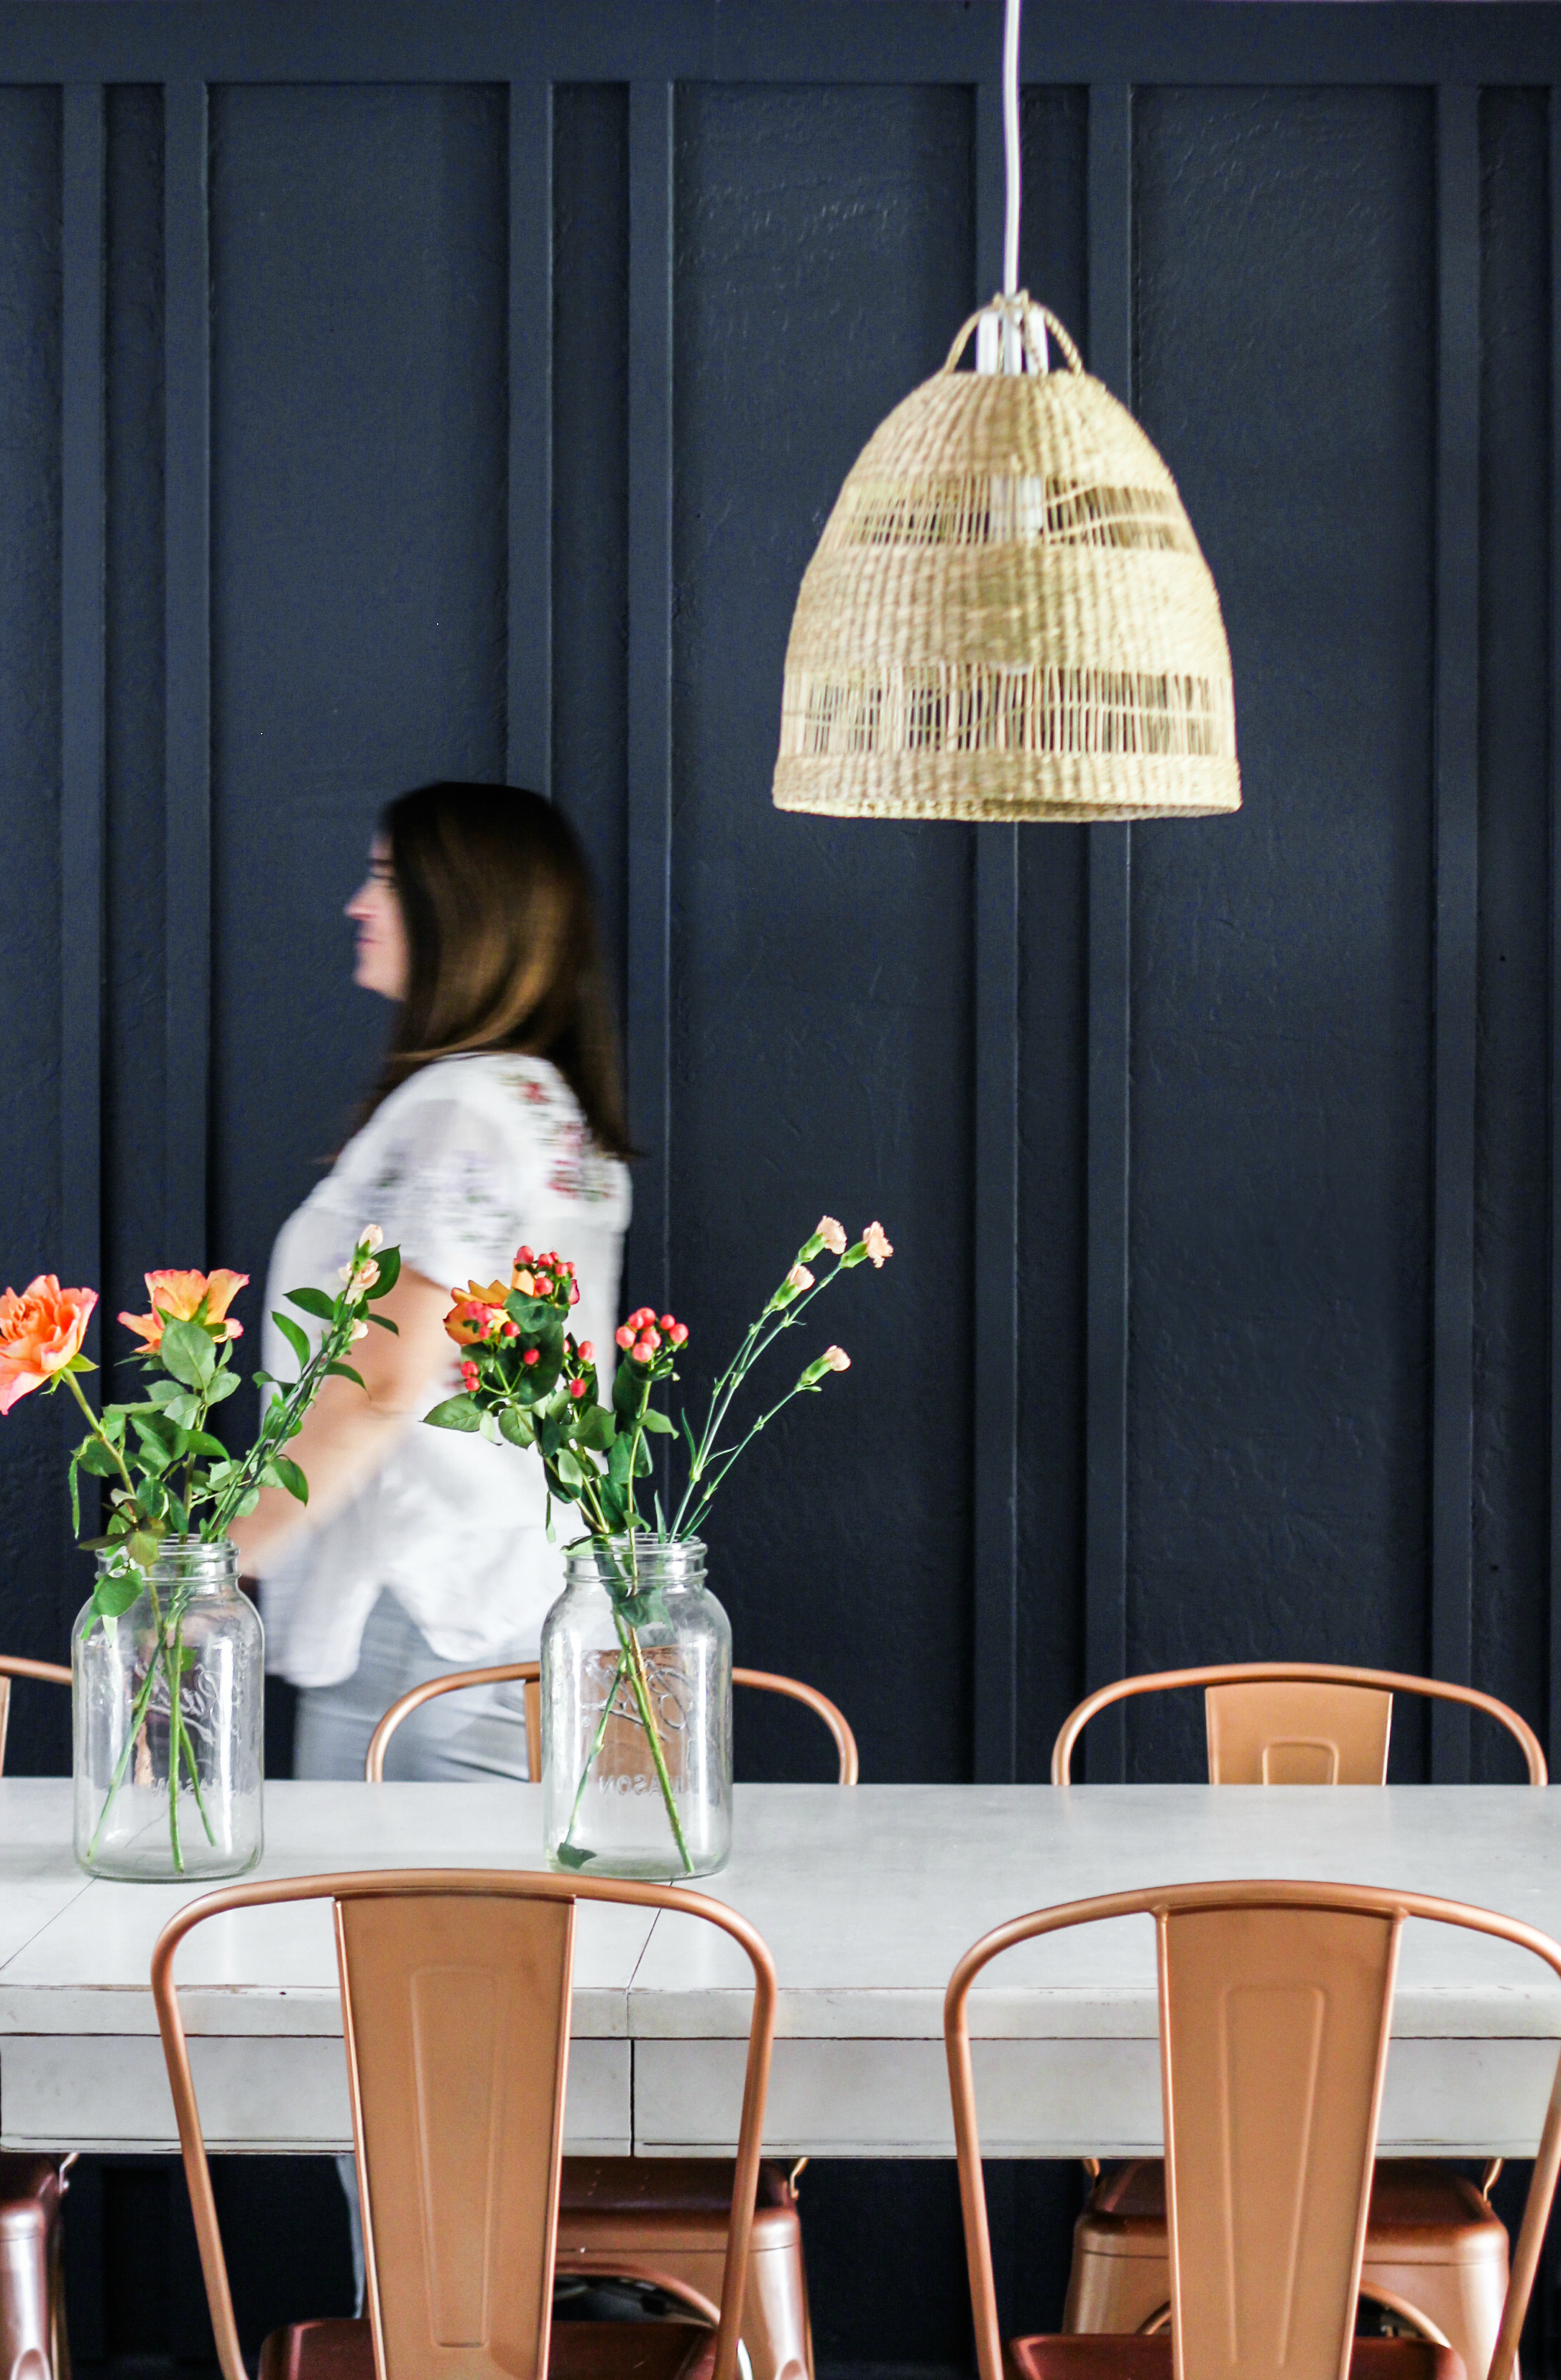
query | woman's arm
(346,1435)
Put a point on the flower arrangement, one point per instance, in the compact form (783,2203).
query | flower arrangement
(528,1381)
(173,1481)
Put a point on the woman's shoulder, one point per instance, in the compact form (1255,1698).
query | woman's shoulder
(495,1085)
(518,1105)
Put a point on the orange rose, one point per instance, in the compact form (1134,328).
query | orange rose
(178,1297)
(40,1332)
(475,1311)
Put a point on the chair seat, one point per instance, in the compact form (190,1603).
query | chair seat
(604,2203)
(579,2350)
(1085,2355)
(1422,2210)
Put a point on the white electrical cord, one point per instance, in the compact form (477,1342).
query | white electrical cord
(1011,154)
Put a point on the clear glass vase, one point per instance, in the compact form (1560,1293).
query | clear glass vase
(636,1713)
(168,1785)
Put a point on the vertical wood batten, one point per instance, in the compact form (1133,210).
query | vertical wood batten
(1456,991)
(996,1077)
(188,782)
(1555,929)
(651,109)
(1110,257)
(83,819)
(528,742)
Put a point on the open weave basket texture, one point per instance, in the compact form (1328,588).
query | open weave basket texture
(1008,617)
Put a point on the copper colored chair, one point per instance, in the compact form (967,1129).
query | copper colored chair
(32,2334)
(1276,2010)
(454,1988)
(642,2218)
(1436,2253)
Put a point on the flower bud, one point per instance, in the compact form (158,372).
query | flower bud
(669,1322)
(799,1277)
(679,1333)
(837,1359)
(588,1353)
(577,1389)
(624,1335)
(510,1329)
(574,1293)
(531,1355)
(370,1237)
(523,1255)
(470,1375)
(643,1352)
(830,1234)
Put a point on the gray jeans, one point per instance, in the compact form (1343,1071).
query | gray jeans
(456,1739)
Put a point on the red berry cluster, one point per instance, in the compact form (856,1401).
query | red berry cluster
(548,1275)
(641,1335)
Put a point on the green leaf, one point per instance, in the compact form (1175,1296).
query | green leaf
(389,1262)
(312,1300)
(224,1383)
(294,1336)
(383,1322)
(164,1393)
(568,1469)
(289,1475)
(114,1595)
(621,1455)
(455,1413)
(645,1462)
(595,1427)
(201,1441)
(93,1456)
(659,1422)
(346,1372)
(188,1352)
(570,1855)
(183,1409)
(516,1427)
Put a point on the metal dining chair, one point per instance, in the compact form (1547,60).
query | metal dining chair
(1275,2006)
(641,2216)
(1436,2252)
(32,2189)
(456,1994)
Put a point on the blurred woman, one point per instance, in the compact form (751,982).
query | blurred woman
(496,1123)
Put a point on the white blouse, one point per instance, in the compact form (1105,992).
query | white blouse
(461,1165)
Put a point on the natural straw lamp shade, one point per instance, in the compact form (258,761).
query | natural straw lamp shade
(1008,615)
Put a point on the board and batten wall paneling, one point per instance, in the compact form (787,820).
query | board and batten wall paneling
(821,971)
(360,442)
(1511,1178)
(1281,1211)
(35,893)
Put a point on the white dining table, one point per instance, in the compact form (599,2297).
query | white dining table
(866,1897)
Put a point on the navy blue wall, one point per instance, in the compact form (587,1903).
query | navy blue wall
(393,391)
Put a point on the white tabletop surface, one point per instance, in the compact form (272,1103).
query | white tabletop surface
(866,1897)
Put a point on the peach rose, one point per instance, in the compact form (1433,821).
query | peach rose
(177,1297)
(40,1332)
(474,1313)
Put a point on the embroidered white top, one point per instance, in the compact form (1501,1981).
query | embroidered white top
(459,1167)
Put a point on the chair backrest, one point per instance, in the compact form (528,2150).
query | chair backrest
(13,1666)
(1275,2006)
(529,1674)
(454,1987)
(1295,1722)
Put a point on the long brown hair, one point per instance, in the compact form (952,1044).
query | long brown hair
(502,946)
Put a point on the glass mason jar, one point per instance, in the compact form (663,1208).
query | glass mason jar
(155,1802)
(636,1713)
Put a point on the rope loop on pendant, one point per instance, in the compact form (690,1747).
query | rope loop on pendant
(1031,322)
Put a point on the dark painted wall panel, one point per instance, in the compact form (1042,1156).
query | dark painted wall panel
(1281,988)
(1052,1028)
(360,431)
(821,972)
(40,1573)
(133,1069)
(591,487)
(1512,1212)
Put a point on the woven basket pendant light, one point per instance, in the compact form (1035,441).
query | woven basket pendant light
(1008,615)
